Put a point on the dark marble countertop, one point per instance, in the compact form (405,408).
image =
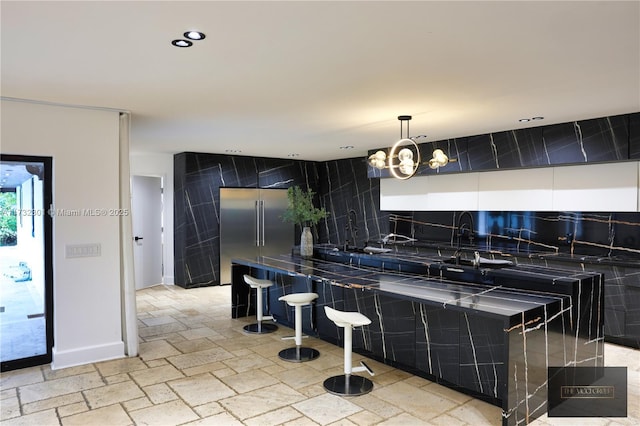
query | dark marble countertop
(495,301)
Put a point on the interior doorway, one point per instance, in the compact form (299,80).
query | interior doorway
(147,222)
(26,268)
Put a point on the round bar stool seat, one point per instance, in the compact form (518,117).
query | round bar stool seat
(259,327)
(298,353)
(348,384)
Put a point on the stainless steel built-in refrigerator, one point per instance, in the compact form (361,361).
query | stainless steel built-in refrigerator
(251,225)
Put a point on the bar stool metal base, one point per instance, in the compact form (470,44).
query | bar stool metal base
(258,328)
(298,354)
(348,385)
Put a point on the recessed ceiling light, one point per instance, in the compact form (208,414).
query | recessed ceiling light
(347,147)
(293,155)
(233,151)
(182,43)
(194,35)
(538,118)
(523,120)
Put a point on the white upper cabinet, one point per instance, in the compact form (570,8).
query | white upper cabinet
(516,190)
(590,187)
(596,187)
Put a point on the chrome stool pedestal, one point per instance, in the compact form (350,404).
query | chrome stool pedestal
(348,384)
(298,353)
(259,327)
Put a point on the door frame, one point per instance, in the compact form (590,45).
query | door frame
(163,259)
(47,218)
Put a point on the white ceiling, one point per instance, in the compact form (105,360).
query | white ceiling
(275,78)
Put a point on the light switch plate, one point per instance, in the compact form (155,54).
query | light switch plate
(82,250)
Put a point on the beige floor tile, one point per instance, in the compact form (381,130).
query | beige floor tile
(248,381)
(208,409)
(151,376)
(41,418)
(119,366)
(157,362)
(275,417)
(343,422)
(195,345)
(222,419)
(137,404)
(66,372)
(198,333)
(71,409)
(169,413)
(153,320)
(423,405)
(476,412)
(326,408)
(455,396)
(112,394)
(26,376)
(447,420)
(365,418)
(49,403)
(157,330)
(160,393)
(375,405)
(406,419)
(9,408)
(247,363)
(195,359)
(260,401)
(302,421)
(300,377)
(113,415)
(58,387)
(198,390)
(156,349)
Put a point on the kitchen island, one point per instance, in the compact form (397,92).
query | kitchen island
(448,323)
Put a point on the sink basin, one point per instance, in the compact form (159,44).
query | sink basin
(484,262)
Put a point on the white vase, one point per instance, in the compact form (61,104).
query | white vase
(306,242)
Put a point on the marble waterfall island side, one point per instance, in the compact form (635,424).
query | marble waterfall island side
(489,341)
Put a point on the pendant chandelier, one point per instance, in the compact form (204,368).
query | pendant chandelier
(404,156)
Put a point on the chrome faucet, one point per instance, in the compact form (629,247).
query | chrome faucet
(351,228)
(460,231)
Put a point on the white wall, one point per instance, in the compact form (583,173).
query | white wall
(586,187)
(160,165)
(85,148)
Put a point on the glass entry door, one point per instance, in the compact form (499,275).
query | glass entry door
(26,269)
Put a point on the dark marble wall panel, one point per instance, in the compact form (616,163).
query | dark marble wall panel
(353,203)
(198,178)
(634,136)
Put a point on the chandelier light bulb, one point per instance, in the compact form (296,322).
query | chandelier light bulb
(378,160)
(404,155)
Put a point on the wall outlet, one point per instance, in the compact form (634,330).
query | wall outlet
(82,250)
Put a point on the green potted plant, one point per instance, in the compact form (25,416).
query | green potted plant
(302,212)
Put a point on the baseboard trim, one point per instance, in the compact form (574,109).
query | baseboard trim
(86,355)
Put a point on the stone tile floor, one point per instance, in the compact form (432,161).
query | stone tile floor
(197,367)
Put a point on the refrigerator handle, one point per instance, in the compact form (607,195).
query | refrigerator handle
(262,218)
(257,210)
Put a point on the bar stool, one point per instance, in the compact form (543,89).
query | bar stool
(259,327)
(347,384)
(298,353)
